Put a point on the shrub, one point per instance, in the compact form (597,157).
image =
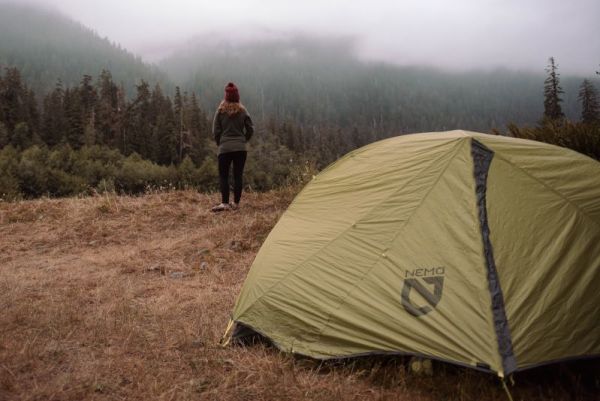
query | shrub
(208,174)
(61,183)
(9,165)
(32,171)
(106,185)
(187,174)
(61,158)
(137,175)
(580,137)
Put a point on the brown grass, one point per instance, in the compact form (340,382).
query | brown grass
(115,298)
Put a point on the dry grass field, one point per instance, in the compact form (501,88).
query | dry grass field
(126,298)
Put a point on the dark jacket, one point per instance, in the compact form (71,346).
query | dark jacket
(232,128)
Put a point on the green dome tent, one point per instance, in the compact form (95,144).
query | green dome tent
(475,249)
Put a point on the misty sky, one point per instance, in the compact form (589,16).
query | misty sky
(447,33)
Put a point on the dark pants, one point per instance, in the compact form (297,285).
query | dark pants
(225,160)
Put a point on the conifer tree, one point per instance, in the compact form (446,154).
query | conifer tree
(18,105)
(21,138)
(590,106)
(2,107)
(106,110)
(90,137)
(186,138)
(181,129)
(4,139)
(198,127)
(12,94)
(87,95)
(157,106)
(552,92)
(121,112)
(88,98)
(74,132)
(32,112)
(178,111)
(139,120)
(165,133)
(53,117)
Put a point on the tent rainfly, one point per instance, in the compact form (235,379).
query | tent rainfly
(479,250)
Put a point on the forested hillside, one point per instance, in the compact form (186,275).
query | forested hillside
(47,46)
(322,82)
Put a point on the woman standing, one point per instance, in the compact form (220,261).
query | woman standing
(232,128)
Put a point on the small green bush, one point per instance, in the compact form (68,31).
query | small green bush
(9,165)
(32,171)
(208,174)
(61,183)
(138,175)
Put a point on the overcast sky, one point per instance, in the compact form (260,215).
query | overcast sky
(451,33)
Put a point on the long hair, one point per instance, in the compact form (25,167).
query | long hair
(231,108)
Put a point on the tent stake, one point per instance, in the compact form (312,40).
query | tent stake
(506,389)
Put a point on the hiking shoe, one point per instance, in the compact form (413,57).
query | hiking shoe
(220,207)
(234,206)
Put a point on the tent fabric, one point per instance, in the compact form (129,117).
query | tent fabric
(470,248)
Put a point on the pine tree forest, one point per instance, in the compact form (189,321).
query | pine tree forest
(92,137)
(95,137)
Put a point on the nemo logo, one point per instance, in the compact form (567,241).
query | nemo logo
(428,283)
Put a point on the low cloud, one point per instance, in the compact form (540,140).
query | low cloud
(461,34)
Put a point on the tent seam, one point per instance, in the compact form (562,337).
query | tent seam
(560,194)
(482,158)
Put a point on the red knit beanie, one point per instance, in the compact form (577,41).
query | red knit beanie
(231,93)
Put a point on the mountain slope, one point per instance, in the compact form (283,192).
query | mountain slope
(323,81)
(47,46)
